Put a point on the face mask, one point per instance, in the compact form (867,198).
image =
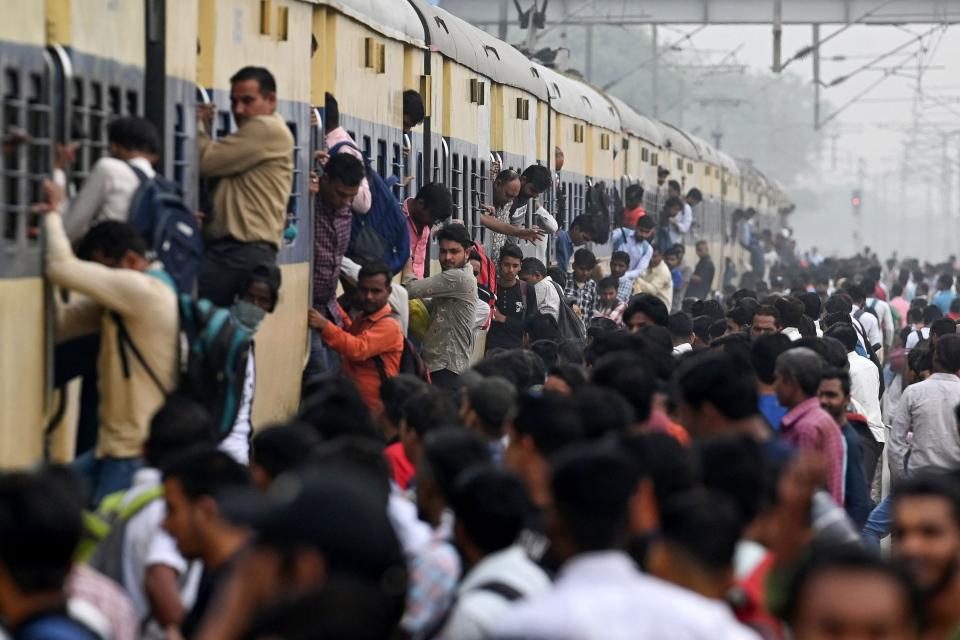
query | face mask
(248,315)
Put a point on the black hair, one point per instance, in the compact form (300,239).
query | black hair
(673,202)
(533,266)
(845,333)
(855,292)
(448,452)
(662,171)
(507,175)
(520,367)
(716,329)
(491,505)
(331,112)
(620,256)
(920,357)
(542,326)
(675,185)
(944,281)
(608,282)
(768,310)
(680,325)
(710,308)
(263,77)
(695,194)
(943,327)
(345,168)
(791,311)
(931,313)
(584,258)
(631,378)
(836,317)
(735,466)
(428,410)
(705,525)
(207,472)
(550,419)
(603,411)
(591,488)
(830,349)
(134,133)
(111,239)
(663,459)
(804,366)
(40,526)
(269,274)
(812,304)
(180,424)
(510,250)
(375,268)
(633,196)
(570,351)
(714,377)
(283,448)
(742,314)
(413,107)
(333,406)
(436,197)
(585,222)
(558,275)
(931,484)
(394,392)
(360,457)
(838,303)
(455,233)
(492,399)
(539,176)
(947,352)
(650,305)
(573,375)
(833,373)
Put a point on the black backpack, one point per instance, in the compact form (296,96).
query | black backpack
(571,327)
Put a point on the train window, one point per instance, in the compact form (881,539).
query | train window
(644,155)
(396,169)
(690,167)
(578,132)
(475,196)
(419,168)
(523,109)
(455,185)
(180,145)
(266,8)
(437,176)
(13,200)
(113,99)
(98,123)
(679,164)
(283,17)
(367,146)
(133,103)
(382,157)
(654,158)
(295,194)
(40,150)
(605,141)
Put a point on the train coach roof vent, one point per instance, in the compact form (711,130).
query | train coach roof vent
(492,50)
(586,100)
(534,72)
(556,90)
(441,23)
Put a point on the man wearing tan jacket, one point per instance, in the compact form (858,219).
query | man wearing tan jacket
(111,288)
(254,169)
(656,279)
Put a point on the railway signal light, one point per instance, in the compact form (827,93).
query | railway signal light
(856,200)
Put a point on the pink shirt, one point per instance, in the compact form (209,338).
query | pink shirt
(902,307)
(807,426)
(419,241)
(362,201)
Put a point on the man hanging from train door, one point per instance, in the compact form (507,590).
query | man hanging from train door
(254,168)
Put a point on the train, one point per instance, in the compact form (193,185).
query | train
(68,66)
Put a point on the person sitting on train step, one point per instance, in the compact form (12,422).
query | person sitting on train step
(656,279)
(534,180)
(371,345)
(580,232)
(506,188)
(334,135)
(431,206)
(119,297)
(452,304)
(332,221)
(413,111)
(107,191)
(257,298)
(534,272)
(636,244)
(254,168)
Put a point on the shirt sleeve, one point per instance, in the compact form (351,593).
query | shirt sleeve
(383,336)
(240,151)
(87,203)
(898,435)
(446,284)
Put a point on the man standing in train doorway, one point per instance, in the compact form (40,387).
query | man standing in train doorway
(253,167)
(534,180)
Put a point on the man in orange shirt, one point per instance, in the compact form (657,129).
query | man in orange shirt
(371,344)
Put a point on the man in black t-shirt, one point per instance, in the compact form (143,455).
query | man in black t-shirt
(702,280)
(515,301)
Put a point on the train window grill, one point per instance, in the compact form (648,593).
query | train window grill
(455,175)
(40,149)
(382,157)
(133,103)
(292,203)
(605,141)
(644,155)
(690,168)
(116,105)
(180,145)
(14,198)
(419,169)
(477,91)
(679,164)
(396,170)
(523,109)
(476,196)
(578,132)
(266,8)
(367,146)
(654,158)
(283,19)
(437,176)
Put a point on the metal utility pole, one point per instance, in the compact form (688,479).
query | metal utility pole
(777,33)
(717,136)
(588,67)
(654,74)
(502,20)
(816,77)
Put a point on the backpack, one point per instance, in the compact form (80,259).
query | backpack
(215,366)
(158,212)
(571,327)
(487,279)
(872,309)
(56,627)
(380,233)
(410,363)
(104,530)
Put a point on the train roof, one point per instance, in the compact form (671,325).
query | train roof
(636,124)
(475,48)
(728,163)
(577,99)
(396,20)
(751,174)
(705,149)
(678,140)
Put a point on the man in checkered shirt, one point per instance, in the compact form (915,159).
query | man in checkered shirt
(581,289)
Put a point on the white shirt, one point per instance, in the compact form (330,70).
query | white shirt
(476,611)
(548,299)
(105,195)
(865,386)
(872,328)
(682,348)
(792,332)
(602,596)
(146,543)
(542,219)
(885,316)
(913,339)
(681,224)
(237,443)
(926,413)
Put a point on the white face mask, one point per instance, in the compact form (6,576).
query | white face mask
(248,315)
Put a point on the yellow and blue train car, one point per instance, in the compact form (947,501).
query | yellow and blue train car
(640,149)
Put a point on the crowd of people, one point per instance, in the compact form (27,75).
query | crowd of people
(533,442)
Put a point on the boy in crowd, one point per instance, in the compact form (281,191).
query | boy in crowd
(609,305)
(580,286)
(534,272)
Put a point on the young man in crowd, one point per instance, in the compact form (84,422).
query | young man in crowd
(534,181)
(431,206)
(534,273)
(766,320)
(581,287)
(506,188)
(516,301)
(254,171)
(452,296)
(581,231)
(656,280)
(619,264)
(636,244)
(609,305)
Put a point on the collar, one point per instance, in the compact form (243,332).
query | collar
(599,565)
(147,476)
(949,377)
(794,415)
(384,311)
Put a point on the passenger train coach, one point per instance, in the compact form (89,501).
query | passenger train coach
(68,66)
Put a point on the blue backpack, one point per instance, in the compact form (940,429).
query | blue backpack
(158,212)
(381,233)
(215,367)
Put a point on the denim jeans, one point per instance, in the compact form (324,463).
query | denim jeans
(106,475)
(880,522)
(323,360)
